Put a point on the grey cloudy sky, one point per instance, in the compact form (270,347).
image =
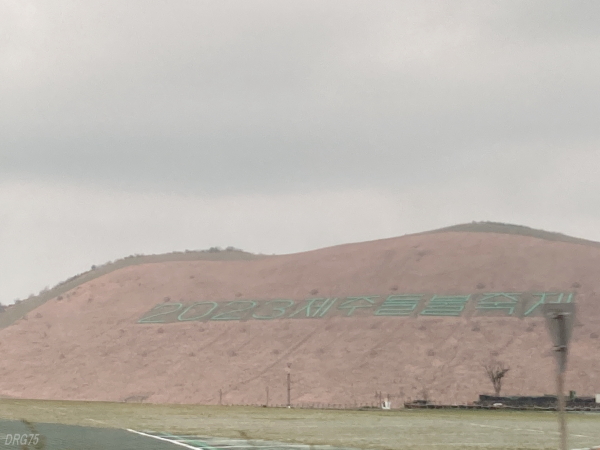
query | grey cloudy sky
(279,126)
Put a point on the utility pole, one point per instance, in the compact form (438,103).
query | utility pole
(267,404)
(562,420)
(289,384)
(560,318)
(289,390)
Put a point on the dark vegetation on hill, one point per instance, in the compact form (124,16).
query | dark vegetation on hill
(506,228)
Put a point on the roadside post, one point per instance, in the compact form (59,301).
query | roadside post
(559,319)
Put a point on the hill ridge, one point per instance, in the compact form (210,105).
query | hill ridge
(14,312)
(19,309)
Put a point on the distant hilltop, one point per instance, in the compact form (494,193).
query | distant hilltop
(506,228)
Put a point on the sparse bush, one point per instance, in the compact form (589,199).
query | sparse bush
(495,371)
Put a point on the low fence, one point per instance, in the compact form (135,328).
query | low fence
(348,406)
(501,407)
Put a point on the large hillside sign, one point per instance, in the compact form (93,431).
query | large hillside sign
(501,304)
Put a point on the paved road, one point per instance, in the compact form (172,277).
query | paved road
(48,436)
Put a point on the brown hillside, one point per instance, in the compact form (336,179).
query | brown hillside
(89,345)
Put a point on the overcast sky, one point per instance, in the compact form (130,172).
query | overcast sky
(283,126)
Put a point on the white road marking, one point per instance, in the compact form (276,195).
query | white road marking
(162,439)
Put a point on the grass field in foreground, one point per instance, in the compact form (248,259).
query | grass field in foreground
(402,429)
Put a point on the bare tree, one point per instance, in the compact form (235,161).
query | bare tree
(496,371)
